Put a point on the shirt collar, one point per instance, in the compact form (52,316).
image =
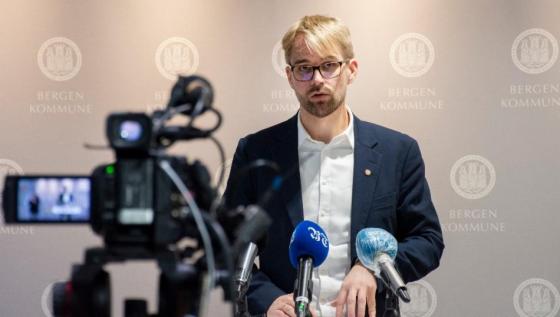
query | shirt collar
(345,137)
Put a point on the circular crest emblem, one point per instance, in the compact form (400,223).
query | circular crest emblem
(7,167)
(534,51)
(473,177)
(423,300)
(59,59)
(176,56)
(536,298)
(278,61)
(412,55)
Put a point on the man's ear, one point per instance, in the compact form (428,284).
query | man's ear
(353,67)
(289,75)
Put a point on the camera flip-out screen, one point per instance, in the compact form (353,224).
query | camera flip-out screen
(53,199)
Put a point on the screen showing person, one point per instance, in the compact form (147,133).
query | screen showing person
(56,199)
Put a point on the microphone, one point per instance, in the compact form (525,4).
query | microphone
(377,249)
(194,93)
(242,279)
(309,248)
(245,263)
(253,227)
(243,268)
(247,227)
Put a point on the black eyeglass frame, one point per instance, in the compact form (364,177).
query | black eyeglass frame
(340,63)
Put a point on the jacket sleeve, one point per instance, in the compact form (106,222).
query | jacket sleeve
(242,190)
(419,232)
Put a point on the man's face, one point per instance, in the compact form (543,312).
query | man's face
(319,96)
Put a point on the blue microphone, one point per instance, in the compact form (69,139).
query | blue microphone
(309,247)
(377,249)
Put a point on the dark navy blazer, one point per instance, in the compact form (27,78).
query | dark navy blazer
(395,197)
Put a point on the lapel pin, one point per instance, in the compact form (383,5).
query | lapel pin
(368,172)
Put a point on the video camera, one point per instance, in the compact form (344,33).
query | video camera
(142,205)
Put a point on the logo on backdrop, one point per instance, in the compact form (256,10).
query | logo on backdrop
(532,95)
(412,98)
(412,55)
(473,177)
(59,59)
(536,298)
(534,51)
(278,61)
(281,100)
(159,102)
(46,299)
(7,167)
(423,300)
(176,56)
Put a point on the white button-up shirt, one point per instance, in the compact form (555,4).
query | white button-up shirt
(326,172)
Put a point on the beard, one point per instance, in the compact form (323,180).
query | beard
(322,108)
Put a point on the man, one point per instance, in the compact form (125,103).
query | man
(65,197)
(352,175)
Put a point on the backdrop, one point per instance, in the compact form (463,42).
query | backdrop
(476,82)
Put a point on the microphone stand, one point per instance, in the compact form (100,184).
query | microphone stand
(303,289)
(391,305)
(391,300)
(242,280)
(241,308)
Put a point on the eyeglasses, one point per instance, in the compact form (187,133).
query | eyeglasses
(327,70)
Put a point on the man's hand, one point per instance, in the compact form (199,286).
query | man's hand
(358,288)
(284,306)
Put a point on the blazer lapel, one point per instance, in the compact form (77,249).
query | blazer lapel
(286,152)
(366,167)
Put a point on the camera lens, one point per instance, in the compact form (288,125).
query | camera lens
(130,131)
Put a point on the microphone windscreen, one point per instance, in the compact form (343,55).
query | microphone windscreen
(253,230)
(308,239)
(370,242)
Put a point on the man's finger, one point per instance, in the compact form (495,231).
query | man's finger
(361,306)
(289,300)
(288,310)
(339,302)
(351,303)
(370,298)
(277,313)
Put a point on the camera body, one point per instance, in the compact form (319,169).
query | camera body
(131,203)
(136,206)
(134,203)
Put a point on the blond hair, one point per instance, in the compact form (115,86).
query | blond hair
(322,34)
